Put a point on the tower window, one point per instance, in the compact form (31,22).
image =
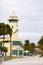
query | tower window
(12,26)
(16,43)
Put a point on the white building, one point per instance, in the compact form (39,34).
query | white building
(16,48)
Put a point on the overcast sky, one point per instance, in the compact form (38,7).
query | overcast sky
(30,13)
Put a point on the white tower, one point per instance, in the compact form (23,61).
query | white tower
(13,22)
(16,48)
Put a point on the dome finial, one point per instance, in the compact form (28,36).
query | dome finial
(13,13)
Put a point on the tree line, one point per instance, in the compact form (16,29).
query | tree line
(33,48)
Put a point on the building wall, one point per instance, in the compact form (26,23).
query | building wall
(8,47)
(16,49)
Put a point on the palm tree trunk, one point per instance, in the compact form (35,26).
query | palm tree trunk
(3,44)
(3,40)
(10,47)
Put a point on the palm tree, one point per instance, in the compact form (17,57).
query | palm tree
(40,42)
(9,31)
(27,45)
(2,31)
(40,45)
(32,47)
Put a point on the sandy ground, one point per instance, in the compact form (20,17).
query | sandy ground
(25,61)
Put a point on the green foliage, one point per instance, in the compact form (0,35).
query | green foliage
(40,45)
(29,46)
(0,47)
(0,43)
(4,49)
(32,47)
(4,30)
(9,30)
(40,42)
(26,45)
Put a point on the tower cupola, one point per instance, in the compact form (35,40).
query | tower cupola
(13,19)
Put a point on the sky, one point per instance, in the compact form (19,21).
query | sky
(30,13)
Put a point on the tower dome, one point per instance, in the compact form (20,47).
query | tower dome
(13,18)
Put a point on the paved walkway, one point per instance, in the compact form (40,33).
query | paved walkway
(25,61)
